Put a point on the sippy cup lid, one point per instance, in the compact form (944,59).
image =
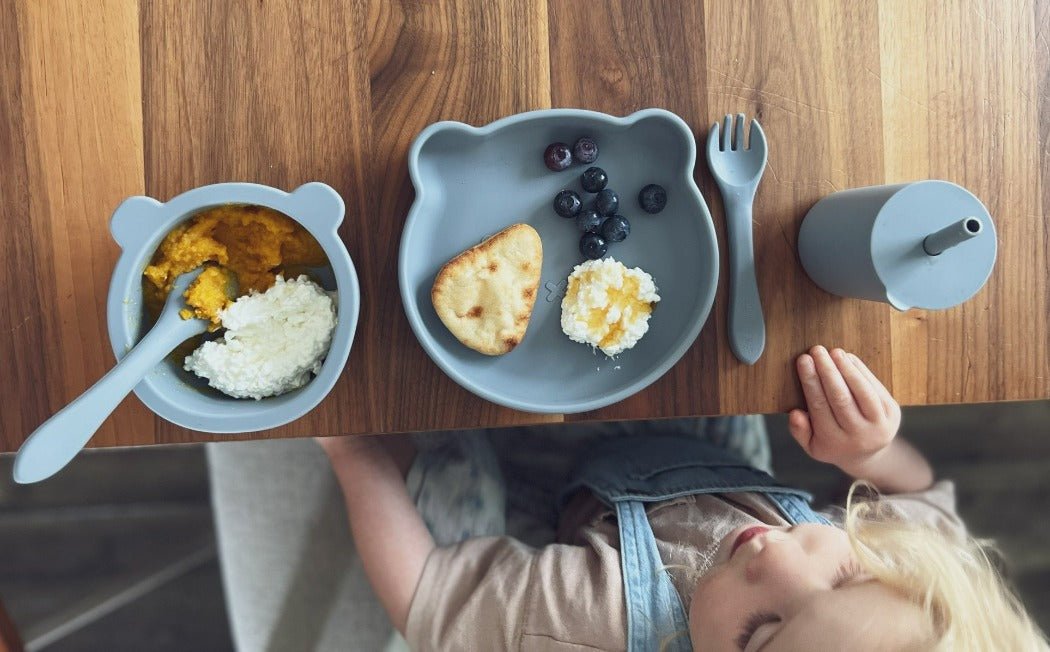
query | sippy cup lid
(933,245)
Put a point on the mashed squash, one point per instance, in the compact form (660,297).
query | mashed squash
(210,293)
(244,248)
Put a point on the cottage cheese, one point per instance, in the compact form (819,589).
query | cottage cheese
(607,305)
(274,341)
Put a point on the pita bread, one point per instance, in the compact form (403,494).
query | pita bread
(485,295)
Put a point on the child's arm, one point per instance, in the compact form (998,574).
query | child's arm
(852,422)
(389,534)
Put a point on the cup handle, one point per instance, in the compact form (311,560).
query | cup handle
(131,223)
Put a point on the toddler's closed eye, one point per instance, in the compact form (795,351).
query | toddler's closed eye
(848,572)
(751,625)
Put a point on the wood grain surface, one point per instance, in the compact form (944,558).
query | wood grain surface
(107,99)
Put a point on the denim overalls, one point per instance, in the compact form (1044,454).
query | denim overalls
(627,473)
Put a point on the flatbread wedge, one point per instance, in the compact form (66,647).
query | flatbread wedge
(485,295)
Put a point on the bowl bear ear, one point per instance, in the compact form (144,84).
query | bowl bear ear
(318,206)
(134,220)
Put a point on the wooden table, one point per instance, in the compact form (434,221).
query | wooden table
(103,100)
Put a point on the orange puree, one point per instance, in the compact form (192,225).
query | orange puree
(244,248)
(209,294)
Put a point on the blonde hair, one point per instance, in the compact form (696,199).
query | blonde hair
(951,578)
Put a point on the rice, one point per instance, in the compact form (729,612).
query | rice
(274,341)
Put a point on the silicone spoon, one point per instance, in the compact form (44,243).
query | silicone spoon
(60,438)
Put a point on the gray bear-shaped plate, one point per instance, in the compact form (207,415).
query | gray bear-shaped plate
(471,182)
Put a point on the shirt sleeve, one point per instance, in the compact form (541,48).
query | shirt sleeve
(493,593)
(471,596)
(934,507)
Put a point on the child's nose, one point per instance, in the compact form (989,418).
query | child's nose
(781,563)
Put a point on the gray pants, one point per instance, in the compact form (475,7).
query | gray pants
(292,579)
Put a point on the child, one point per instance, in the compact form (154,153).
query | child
(667,543)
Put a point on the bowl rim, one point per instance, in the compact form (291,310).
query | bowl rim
(415,319)
(322,225)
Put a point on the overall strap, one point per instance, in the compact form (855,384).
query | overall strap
(657,468)
(654,609)
(795,508)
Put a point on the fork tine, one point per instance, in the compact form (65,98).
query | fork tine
(757,138)
(727,134)
(738,144)
(713,141)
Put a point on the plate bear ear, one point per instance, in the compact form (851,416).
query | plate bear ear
(318,206)
(134,220)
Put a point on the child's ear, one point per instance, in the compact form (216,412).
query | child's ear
(133,220)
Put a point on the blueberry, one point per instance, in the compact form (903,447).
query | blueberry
(607,202)
(557,157)
(585,150)
(616,228)
(567,203)
(589,221)
(653,198)
(593,246)
(593,179)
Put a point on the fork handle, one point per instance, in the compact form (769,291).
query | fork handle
(747,327)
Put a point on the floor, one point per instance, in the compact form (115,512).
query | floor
(110,520)
(132,529)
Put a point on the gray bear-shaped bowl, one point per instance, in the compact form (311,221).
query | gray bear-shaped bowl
(140,223)
(471,182)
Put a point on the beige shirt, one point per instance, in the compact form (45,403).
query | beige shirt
(496,593)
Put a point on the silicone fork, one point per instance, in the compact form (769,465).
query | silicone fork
(738,170)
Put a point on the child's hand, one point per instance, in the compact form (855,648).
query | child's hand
(851,416)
